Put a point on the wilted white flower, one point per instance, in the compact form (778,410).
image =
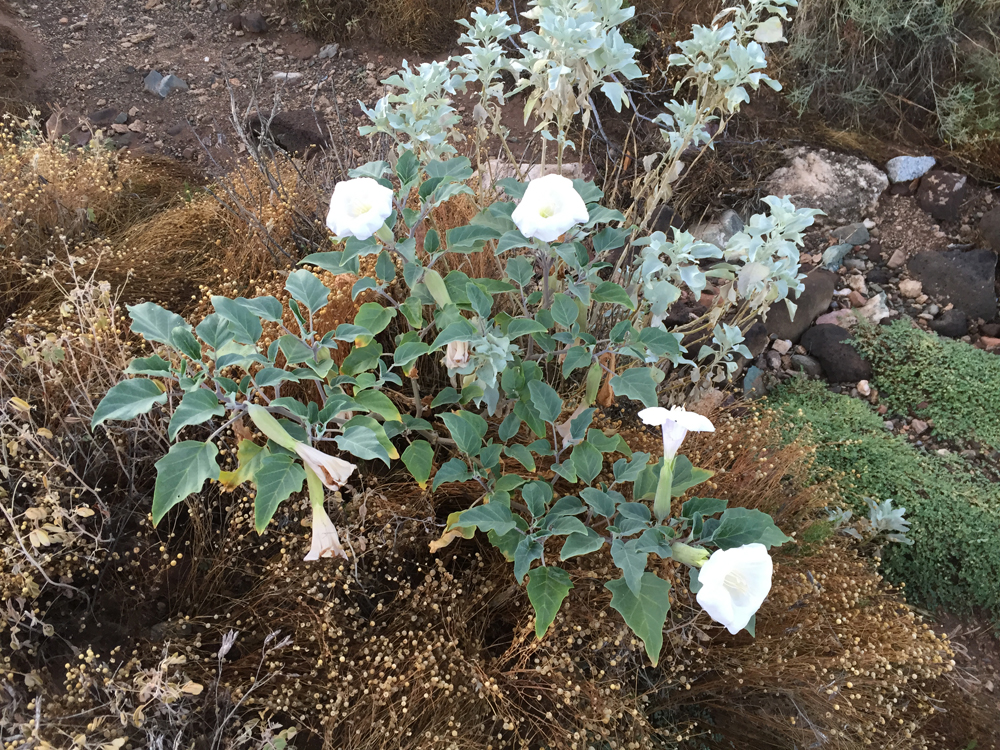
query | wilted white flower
(456,356)
(359,208)
(333,472)
(325,540)
(550,208)
(676,423)
(734,583)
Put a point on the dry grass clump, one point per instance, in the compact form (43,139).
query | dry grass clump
(202,632)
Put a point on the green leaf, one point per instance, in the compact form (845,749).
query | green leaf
(576,357)
(156,366)
(406,354)
(547,588)
(687,476)
(362,442)
(470,237)
(185,342)
(739,526)
(407,167)
(153,322)
(374,317)
(528,550)
(419,460)
(638,384)
(182,472)
(537,495)
(271,376)
(447,396)
(521,326)
(267,308)
(468,433)
(629,471)
(521,454)
(511,241)
(453,470)
(581,544)
(307,289)
(608,291)
(488,517)
(587,461)
(294,349)
(519,269)
(602,503)
(545,399)
(214,331)
(697,508)
(196,407)
(361,359)
(276,478)
(379,403)
(244,325)
(336,262)
(631,561)
(481,302)
(645,612)
(128,399)
(564,310)
(460,330)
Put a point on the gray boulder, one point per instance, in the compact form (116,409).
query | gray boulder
(966,279)
(908,168)
(808,365)
(853,234)
(813,302)
(844,187)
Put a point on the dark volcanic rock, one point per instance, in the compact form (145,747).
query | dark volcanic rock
(841,361)
(953,323)
(813,302)
(965,279)
(941,194)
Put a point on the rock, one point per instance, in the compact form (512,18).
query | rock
(989,228)
(897,259)
(855,264)
(857,299)
(170,84)
(152,82)
(808,365)
(877,275)
(254,22)
(864,388)
(122,118)
(953,323)
(988,343)
(813,301)
(910,288)
(941,194)
(841,361)
(843,186)
(295,131)
(782,346)
(720,231)
(990,329)
(857,282)
(875,309)
(103,118)
(59,124)
(833,256)
(908,168)
(844,317)
(933,310)
(328,51)
(852,234)
(963,278)
(918,427)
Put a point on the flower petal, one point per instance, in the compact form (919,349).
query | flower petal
(654,415)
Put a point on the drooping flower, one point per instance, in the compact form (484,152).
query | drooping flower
(456,356)
(734,583)
(550,208)
(332,471)
(325,540)
(358,208)
(676,422)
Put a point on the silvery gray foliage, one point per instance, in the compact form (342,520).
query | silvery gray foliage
(882,519)
(422,110)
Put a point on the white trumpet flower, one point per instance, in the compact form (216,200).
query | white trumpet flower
(359,208)
(333,472)
(734,583)
(550,208)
